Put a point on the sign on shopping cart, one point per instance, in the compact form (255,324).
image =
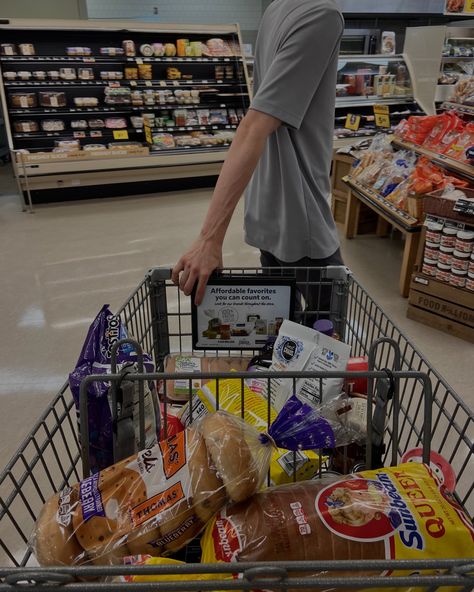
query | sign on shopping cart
(242,313)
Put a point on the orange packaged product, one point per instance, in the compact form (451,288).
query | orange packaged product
(446,125)
(457,149)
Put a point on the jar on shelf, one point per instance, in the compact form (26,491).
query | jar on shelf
(464,241)
(448,237)
(458,278)
(460,261)
(443,272)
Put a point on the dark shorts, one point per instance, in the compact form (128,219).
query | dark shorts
(313,294)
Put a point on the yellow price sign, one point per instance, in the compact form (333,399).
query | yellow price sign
(352,122)
(382,109)
(469,6)
(120,135)
(148,136)
(382,120)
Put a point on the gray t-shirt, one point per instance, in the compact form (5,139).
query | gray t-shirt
(287,206)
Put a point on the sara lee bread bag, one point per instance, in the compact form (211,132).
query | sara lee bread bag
(156,501)
(394,513)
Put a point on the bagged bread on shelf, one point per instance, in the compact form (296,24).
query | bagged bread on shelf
(393,513)
(156,501)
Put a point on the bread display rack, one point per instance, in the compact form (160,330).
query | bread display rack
(424,412)
(167,98)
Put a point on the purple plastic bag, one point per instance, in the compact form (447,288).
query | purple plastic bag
(299,426)
(95,358)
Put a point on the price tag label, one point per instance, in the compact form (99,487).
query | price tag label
(148,83)
(148,136)
(175,83)
(205,81)
(88,60)
(382,120)
(96,134)
(120,135)
(352,122)
(382,109)
(162,82)
(79,134)
(469,6)
(114,84)
(133,83)
(139,61)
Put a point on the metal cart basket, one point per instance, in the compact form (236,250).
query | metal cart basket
(424,411)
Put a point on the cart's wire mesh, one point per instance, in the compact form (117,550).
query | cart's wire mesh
(49,457)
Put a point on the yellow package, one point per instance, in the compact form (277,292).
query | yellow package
(170,577)
(399,512)
(235,396)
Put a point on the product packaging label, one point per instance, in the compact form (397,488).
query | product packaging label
(190,365)
(299,348)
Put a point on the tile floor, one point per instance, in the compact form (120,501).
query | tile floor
(59,265)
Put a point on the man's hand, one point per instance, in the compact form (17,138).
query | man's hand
(196,266)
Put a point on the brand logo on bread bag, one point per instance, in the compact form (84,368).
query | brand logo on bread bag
(226,539)
(288,349)
(157,504)
(91,498)
(173,451)
(368,510)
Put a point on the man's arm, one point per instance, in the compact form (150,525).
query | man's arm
(205,255)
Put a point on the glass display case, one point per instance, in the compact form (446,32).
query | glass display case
(78,91)
(457,61)
(372,78)
(365,81)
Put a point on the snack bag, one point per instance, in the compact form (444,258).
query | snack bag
(95,358)
(156,501)
(257,413)
(392,513)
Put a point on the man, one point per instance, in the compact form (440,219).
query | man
(285,142)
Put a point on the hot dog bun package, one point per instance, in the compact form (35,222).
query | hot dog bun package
(192,364)
(339,417)
(95,358)
(156,501)
(399,512)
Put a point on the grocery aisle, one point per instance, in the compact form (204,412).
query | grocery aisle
(62,263)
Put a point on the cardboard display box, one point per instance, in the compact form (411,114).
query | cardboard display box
(441,306)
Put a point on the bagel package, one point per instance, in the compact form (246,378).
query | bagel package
(156,501)
(399,512)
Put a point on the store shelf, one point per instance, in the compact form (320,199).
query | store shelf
(49,83)
(342,102)
(191,128)
(190,60)
(446,60)
(407,222)
(69,133)
(180,149)
(171,106)
(463,170)
(66,110)
(121,59)
(450,106)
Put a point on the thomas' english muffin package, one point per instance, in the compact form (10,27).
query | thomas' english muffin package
(392,513)
(156,501)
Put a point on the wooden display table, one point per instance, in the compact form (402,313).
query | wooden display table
(388,215)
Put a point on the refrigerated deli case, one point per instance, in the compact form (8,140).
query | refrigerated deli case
(112,107)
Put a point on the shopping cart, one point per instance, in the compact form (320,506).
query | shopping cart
(424,411)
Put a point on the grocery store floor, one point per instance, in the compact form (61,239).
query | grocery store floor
(59,265)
